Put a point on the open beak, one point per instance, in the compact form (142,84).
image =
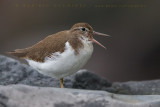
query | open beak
(93,40)
(100,34)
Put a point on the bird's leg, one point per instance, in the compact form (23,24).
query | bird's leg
(61,82)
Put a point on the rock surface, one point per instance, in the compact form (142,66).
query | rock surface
(29,96)
(13,72)
(151,87)
(39,90)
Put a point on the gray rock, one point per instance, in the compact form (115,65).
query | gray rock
(13,72)
(41,93)
(29,96)
(151,87)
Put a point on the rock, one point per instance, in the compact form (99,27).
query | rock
(151,87)
(40,91)
(88,80)
(30,96)
(13,72)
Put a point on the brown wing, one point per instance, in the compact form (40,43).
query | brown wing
(51,44)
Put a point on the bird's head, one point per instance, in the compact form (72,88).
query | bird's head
(85,32)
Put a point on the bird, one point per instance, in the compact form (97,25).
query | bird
(63,53)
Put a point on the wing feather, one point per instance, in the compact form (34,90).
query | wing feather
(46,47)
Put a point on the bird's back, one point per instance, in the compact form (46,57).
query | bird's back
(45,47)
(48,46)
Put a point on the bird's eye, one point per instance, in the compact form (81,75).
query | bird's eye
(83,29)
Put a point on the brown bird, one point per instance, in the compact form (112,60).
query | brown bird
(63,53)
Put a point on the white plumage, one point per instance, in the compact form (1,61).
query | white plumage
(63,64)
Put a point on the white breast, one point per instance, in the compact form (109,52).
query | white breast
(63,64)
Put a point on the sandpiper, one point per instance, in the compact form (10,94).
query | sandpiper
(63,53)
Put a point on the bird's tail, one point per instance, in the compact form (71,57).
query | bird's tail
(20,53)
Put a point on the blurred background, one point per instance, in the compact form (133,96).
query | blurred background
(133,50)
